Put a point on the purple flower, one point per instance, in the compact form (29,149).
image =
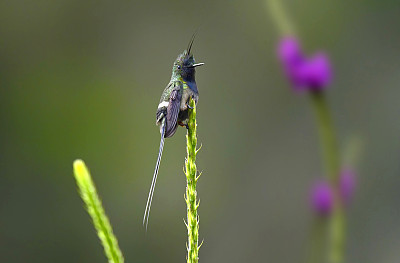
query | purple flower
(347,185)
(322,198)
(313,73)
(289,52)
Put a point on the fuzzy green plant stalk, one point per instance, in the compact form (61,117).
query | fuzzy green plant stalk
(192,223)
(88,193)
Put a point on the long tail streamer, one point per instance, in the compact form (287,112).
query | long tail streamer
(153,183)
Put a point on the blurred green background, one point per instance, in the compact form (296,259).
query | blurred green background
(82,79)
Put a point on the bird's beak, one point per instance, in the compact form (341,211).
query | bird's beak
(197,64)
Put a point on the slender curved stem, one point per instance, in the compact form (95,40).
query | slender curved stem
(95,209)
(336,223)
(280,18)
(326,136)
(336,238)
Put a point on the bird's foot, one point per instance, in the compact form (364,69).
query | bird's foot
(183,124)
(187,103)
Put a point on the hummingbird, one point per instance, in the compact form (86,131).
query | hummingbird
(172,111)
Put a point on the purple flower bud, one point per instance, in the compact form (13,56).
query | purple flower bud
(289,52)
(313,73)
(347,185)
(322,198)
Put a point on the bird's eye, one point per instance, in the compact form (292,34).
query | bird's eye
(179,67)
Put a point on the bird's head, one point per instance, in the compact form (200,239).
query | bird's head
(185,64)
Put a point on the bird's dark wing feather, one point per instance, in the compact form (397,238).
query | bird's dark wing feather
(173,111)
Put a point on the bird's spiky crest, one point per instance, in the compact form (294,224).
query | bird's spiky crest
(189,48)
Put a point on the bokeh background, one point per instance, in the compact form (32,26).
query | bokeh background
(82,79)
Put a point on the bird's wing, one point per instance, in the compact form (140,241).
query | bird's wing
(173,110)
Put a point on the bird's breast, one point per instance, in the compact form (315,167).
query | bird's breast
(190,85)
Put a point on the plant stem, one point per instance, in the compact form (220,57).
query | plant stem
(336,222)
(88,193)
(332,169)
(280,18)
(326,136)
(191,194)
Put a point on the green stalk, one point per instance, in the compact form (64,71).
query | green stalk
(330,155)
(280,18)
(336,223)
(191,194)
(88,193)
(326,136)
